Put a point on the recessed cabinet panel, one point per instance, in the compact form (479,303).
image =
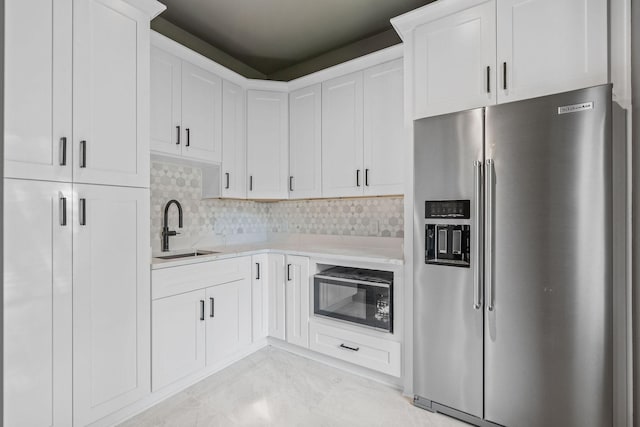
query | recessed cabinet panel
(37,98)
(267,145)
(342,107)
(234,142)
(228,319)
(178,337)
(454,62)
(385,135)
(201,114)
(568,51)
(305,142)
(297,296)
(111,299)
(111,130)
(260,296)
(37,303)
(166,106)
(276,297)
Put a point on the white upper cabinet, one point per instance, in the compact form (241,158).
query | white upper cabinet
(267,145)
(463,54)
(385,135)
(166,102)
(305,143)
(454,61)
(201,114)
(228,319)
(342,127)
(37,303)
(547,46)
(297,300)
(111,299)
(234,142)
(37,99)
(110,93)
(186,109)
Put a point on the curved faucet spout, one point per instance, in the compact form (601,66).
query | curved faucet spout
(165,227)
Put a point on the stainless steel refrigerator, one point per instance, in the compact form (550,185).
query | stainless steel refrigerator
(513,262)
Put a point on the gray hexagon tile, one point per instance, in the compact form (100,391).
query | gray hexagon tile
(375,216)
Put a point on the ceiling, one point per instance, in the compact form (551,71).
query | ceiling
(271,35)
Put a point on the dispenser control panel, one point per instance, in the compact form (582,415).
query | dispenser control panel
(458,209)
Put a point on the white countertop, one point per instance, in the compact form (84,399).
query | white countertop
(384,250)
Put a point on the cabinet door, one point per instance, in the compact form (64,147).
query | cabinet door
(342,169)
(111,299)
(297,300)
(454,60)
(260,296)
(201,114)
(37,303)
(385,135)
(228,319)
(166,102)
(234,142)
(276,296)
(305,143)
(178,337)
(110,93)
(568,51)
(267,145)
(37,98)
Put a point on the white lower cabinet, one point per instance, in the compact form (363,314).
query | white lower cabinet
(37,303)
(276,296)
(259,296)
(178,337)
(228,319)
(201,315)
(297,300)
(111,299)
(365,350)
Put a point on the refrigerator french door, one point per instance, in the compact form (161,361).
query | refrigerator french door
(516,331)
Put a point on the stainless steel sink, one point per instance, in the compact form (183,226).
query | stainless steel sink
(187,254)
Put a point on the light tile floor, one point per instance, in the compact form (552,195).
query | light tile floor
(275,388)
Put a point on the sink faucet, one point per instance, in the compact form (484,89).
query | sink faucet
(165,227)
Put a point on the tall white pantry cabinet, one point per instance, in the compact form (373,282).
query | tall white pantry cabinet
(76,259)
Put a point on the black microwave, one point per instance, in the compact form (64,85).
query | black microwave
(359,296)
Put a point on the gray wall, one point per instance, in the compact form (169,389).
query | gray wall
(635,88)
(311,65)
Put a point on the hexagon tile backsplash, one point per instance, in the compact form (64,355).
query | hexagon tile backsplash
(375,216)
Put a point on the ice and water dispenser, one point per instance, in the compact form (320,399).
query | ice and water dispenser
(447,244)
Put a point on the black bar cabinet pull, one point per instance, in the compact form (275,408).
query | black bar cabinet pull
(357,177)
(257,271)
(201,309)
(366,177)
(63,151)
(291,183)
(63,211)
(83,212)
(504,75)
(177,135)
(83,154)
(250,182)
(212,301)
(346,347)
(488,79)
(226,174)
(188,137)
(288,272)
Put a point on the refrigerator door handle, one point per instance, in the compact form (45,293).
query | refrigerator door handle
(488,253)
(477,206)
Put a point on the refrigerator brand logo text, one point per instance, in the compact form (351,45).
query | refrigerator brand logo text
(575,108)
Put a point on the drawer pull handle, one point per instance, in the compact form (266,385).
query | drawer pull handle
(346,347)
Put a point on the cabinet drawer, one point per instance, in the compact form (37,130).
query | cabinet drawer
(186,278)
(364,350)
